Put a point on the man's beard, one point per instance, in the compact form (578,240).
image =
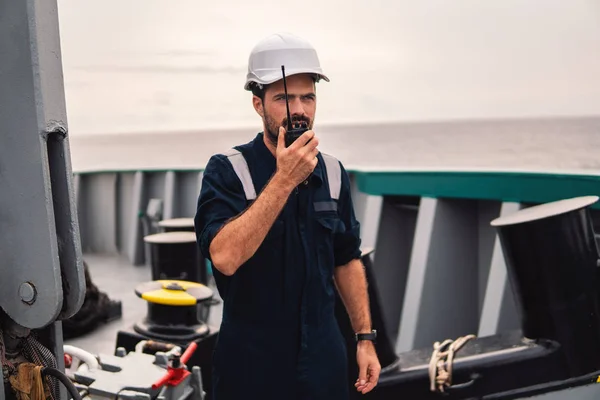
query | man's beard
(272,127)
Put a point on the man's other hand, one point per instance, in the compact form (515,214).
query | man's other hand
(368,366)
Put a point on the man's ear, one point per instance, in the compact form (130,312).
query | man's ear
(258,106)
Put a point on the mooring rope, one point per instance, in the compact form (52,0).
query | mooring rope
(442,358)
(28,383)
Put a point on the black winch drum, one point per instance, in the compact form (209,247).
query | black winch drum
(552,261)
(177,225)
(175,255)
(173,310)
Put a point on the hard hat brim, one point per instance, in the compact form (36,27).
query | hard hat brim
(276,76)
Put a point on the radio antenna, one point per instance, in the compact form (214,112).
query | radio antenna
(287,106)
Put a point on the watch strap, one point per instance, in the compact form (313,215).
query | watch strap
(372,336)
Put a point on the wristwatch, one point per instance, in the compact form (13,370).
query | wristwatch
(372,336)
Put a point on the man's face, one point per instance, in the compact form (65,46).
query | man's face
(302,102)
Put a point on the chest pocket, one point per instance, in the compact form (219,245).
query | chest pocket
(328,225)
(328,222)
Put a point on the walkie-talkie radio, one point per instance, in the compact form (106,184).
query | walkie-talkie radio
(295,130)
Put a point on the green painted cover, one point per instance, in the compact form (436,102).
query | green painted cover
(524,187)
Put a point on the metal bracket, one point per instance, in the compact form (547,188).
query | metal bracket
(41,267)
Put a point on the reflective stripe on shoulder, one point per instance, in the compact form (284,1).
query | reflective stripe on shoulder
(334,175)
(241,169)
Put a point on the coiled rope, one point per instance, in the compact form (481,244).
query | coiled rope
(440,364)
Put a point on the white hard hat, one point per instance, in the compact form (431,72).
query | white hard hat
(294,53)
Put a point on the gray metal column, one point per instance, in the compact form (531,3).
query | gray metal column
(39,230)
(170,195)
(135,248)
(441,298)
(199,183)
(367,209)
(393,248)
(37,207)
(98,212)
(499,311)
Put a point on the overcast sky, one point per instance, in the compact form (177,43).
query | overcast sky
(140,65)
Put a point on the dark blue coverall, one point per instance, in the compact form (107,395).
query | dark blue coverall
(279,338)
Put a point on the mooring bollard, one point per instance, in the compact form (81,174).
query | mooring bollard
(177,225)
(175,255)
(552,261)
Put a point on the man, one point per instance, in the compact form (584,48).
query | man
(278,225)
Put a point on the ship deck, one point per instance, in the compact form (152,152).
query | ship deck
(117,277)
(114,275)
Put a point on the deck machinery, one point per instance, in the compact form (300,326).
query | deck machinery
(41,267)
(552,261)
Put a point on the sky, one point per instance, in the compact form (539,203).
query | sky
(151,65)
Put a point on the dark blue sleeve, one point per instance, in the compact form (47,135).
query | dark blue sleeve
(221,198)
(347,243)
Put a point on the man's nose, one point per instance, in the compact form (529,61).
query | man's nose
(296,106)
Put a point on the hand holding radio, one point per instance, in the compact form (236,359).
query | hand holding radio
(296,162)
(296,148)
(294,131)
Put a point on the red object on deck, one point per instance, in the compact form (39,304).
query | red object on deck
(68,360)
(175,376)
(185,357)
